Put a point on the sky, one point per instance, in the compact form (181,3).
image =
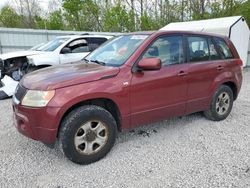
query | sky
(44,3)
(3,2)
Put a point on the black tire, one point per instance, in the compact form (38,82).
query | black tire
(213,113)
(71,125)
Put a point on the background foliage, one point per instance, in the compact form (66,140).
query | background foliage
(115,16)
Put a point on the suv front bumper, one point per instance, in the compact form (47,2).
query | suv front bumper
(37,123)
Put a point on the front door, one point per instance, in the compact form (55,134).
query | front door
(160,94)
(78,50)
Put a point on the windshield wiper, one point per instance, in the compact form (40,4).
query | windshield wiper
(86,60)
(98,62)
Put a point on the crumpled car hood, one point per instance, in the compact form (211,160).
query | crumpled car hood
(10,55)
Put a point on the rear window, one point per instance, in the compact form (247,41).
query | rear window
(223,48)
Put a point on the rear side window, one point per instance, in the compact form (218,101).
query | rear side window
(214,55)
(198,49)
(223,48)
(95,42)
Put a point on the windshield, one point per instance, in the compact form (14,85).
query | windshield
(117,51)
(52,45)
(37,46)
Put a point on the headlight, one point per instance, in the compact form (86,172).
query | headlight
(35,98)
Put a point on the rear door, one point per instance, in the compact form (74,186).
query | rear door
(162,93)
(205,64)
(95,42)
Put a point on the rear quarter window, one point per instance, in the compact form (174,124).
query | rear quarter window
(224,49)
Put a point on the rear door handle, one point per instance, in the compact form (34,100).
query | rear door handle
(220,67)
(182,73)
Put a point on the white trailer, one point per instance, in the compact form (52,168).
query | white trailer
(234,27)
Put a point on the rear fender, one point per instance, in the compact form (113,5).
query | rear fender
(219,80)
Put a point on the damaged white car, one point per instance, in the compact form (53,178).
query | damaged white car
(63,49)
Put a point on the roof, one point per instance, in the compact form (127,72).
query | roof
(217,25)
(142,32)
(85,36)
(172,32)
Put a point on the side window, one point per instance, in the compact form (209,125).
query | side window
(79,46)
(198,49)
(168,48)
(95,42)
(224,49)
(212,50)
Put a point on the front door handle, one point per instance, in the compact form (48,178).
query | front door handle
(182,73)
(220,67)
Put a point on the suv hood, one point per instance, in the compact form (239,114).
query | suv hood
(18,54)
(66,75)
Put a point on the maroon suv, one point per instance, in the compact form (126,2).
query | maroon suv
(131,80)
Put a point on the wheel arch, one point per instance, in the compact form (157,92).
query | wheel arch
(105,103)
(228,79)
(233,87)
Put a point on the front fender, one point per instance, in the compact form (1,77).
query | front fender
(41,60)
(110,88)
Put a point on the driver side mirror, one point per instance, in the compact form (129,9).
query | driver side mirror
(150,64)
(66,50)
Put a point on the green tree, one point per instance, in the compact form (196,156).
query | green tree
(244,9)
(92,12)
(73,14)
(117,16)
(117,19)
(9,18)
(55,21)
(83,15)
(29,11)
(147,23)
(39,22)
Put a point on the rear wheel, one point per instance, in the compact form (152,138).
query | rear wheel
(221,105)
(87,134)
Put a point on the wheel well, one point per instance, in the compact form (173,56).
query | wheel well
(41,66)
(32,68)
(233,87)
(107,104)
(44,66)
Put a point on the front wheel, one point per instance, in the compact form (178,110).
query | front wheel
(87,134)
(221,105)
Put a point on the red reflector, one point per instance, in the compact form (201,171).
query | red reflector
(239,62)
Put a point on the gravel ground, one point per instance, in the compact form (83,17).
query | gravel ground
(183,152)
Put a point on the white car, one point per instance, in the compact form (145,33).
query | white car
(63,49)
